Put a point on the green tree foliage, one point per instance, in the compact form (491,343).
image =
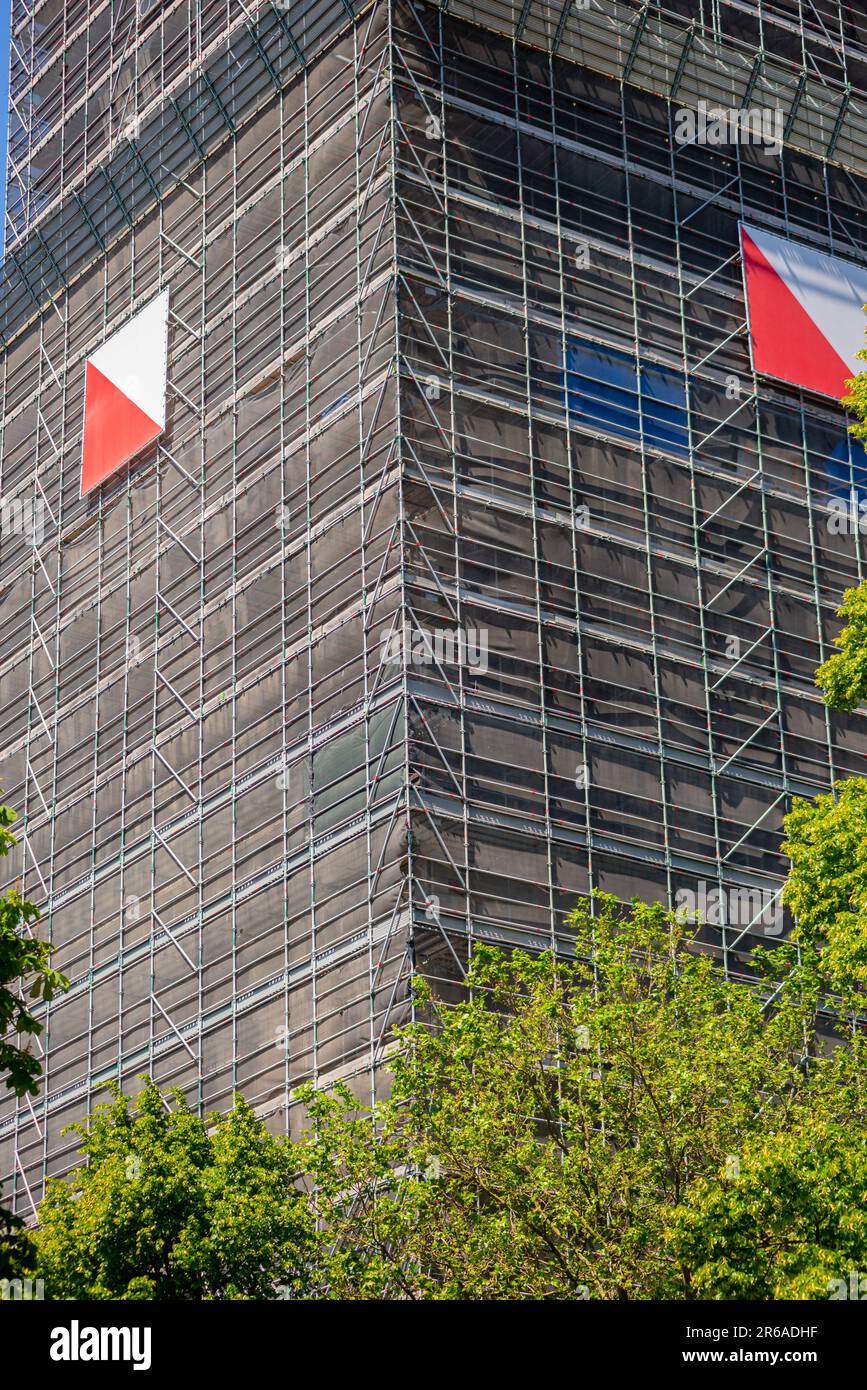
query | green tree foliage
(827,885)
(628,1123)
(826,839)
(587,1128)
(25,974)
(24,966)
(795,1216)
(856,400)
(171,1206)
(843,677)
(795,1220)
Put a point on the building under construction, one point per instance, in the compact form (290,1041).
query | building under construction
(474,565)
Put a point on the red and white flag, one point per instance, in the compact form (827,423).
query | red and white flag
(125,393)
(806,312)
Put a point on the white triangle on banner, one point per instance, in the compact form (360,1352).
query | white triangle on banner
(134,358)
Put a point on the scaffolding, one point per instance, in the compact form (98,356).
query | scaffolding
(457,349)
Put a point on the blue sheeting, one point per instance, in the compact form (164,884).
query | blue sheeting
(602,390)
(841,475)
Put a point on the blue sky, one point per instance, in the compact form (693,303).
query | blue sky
(5,6)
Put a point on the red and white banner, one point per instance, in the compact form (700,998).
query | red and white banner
(806,312)
(125,393)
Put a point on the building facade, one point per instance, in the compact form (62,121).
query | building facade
(474,567)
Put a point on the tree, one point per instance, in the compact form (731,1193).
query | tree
(24,966)
(826,839)
(856,400)
(794,1223)
(23,961)
(827,885)
(797,1210)
(173,1206)
(843,677)
(574,1128)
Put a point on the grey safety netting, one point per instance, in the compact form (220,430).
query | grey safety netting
(647,555)
(114,102)
(206,751)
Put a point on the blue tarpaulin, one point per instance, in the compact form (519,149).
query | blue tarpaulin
(602,389)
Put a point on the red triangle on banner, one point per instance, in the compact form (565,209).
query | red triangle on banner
(115,429)
(786,342)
